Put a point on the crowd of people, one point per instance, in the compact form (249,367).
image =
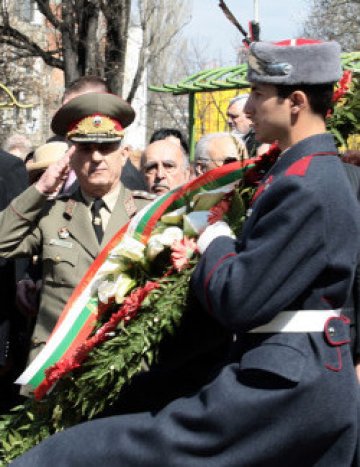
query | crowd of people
(163,165)
(278,306)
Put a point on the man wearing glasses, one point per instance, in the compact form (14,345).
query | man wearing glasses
(216,149)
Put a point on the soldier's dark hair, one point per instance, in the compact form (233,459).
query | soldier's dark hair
(163,133)
(319,95)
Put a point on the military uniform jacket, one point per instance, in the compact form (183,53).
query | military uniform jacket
(282,399)
(61,234)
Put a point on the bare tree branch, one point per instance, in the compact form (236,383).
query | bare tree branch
(20,41)
(44,8)
(335,20)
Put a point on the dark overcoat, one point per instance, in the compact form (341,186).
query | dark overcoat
(13,180)
(353,173)
(282,399)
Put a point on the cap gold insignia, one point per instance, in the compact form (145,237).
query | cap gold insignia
(63,233)
(92,126)
(97,120)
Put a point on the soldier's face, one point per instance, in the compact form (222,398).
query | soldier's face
(98,166)
(269,113)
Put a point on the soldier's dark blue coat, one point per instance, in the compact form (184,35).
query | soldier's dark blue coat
(286,399)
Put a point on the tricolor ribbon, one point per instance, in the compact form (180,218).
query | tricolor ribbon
(79,317)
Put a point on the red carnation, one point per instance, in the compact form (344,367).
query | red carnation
(217,212)
(182,251)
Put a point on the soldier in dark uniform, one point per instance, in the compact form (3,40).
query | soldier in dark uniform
(69,230)
(288,396)
(353,172)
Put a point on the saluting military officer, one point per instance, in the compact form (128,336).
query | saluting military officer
(288,395)
(68,231)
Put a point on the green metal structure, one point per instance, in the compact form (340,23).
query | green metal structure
(218,79)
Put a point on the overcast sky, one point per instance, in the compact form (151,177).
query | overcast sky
(217,37)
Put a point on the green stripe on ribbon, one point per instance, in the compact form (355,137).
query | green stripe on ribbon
(155,211)
(65,343)
(173,200)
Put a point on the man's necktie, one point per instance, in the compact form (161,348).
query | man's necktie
(96,218)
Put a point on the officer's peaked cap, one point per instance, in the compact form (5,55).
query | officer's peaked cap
(93,117)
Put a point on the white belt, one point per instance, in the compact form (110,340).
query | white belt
(298,321)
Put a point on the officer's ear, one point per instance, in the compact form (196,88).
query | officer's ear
(125,153)
(298,101)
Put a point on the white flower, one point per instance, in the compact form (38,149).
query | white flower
(122,258)
(195,223)
(158,242)
(154,247)
(129,248)
(174,217)
(123,285)
(112,266)
(106,290)
(117,289)
(206,200)
(170,235)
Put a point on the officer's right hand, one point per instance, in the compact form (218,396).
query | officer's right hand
(55,175)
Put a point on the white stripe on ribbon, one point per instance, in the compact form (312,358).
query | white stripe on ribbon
(79,304)
(56,338)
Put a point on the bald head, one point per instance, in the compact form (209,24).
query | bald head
(165,166)
(214,149)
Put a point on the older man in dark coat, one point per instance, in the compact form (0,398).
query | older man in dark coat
(13,180)
(288,396)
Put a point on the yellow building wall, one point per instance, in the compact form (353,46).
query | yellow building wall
(353,142)
(210,110)
(210,114)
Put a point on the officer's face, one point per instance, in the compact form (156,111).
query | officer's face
(98,166)
(270,114)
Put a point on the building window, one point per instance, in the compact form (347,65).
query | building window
(26,10)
